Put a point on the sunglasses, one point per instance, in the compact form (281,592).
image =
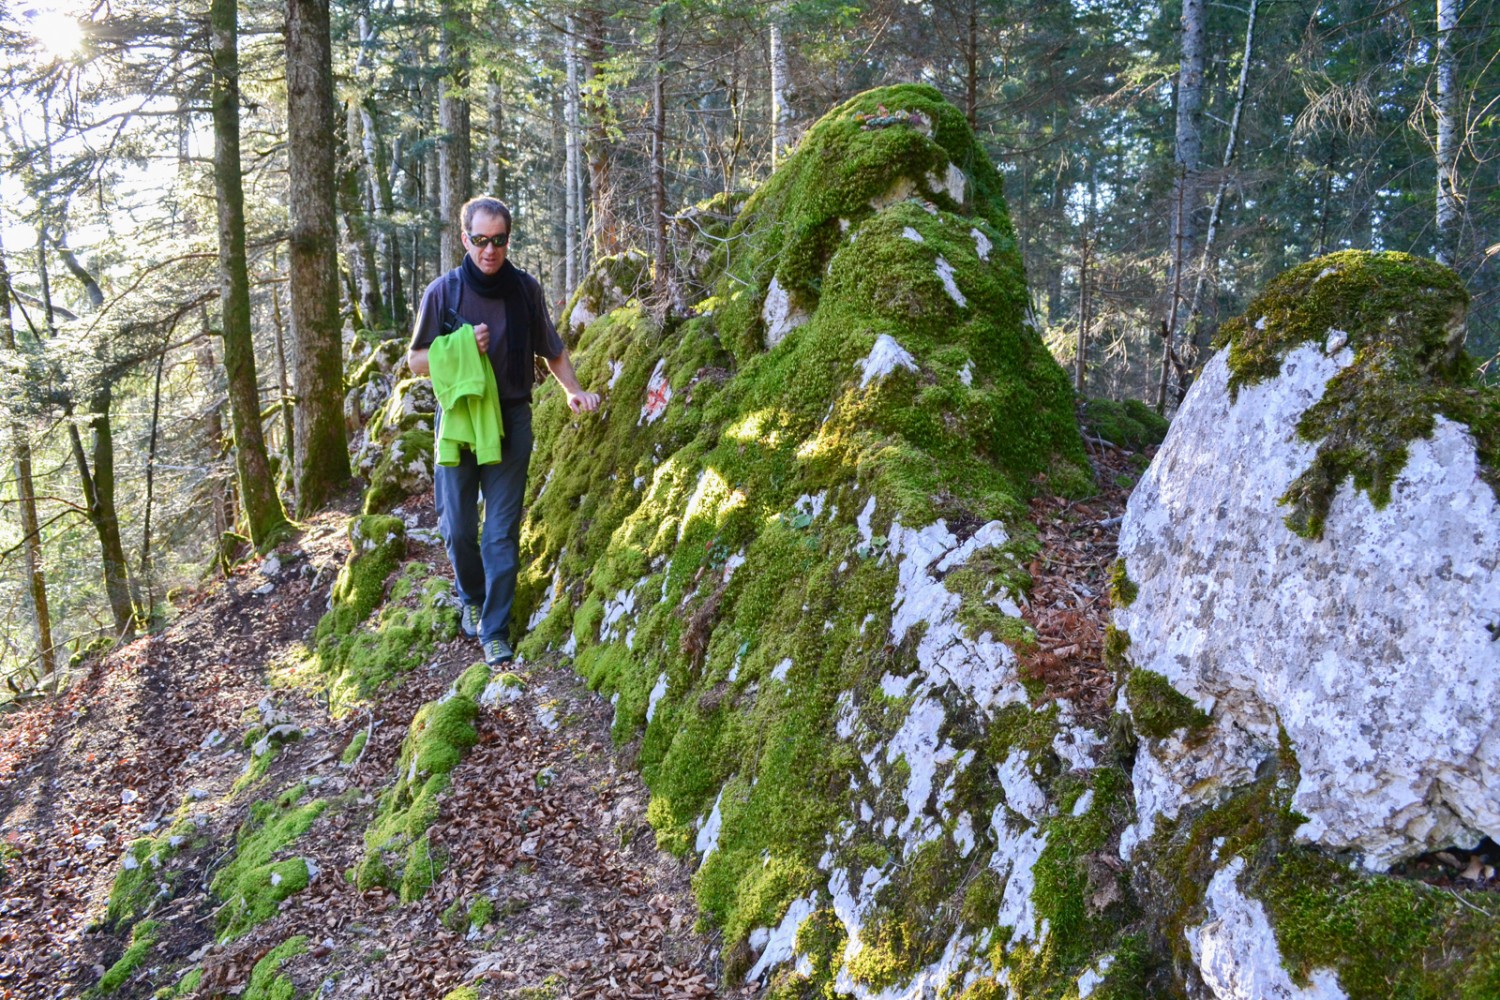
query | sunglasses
(500,239)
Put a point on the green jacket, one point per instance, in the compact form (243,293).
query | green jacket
(464,384)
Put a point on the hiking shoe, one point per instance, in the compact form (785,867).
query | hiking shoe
(497,652)
(468,621)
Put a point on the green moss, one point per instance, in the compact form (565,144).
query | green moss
(1159,710)
(376,544)
(1081,900)
(398,851)
(392,480)
(1116,643)
(143,879)
(1383,936)
(266,980)
(356,663)
(142,939)
(462,993)
(186,986)
(253,883)
(1128,423)
(1122,589)
(1402,317)
(355,748)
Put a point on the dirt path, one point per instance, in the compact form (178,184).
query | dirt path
(541,820)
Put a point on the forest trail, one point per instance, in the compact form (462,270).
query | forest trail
(542,818)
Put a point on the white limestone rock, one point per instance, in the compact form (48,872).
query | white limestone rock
(1235,949)
(1373,646)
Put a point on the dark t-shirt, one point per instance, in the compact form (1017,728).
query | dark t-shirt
(475,308)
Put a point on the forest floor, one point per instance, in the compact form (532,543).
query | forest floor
(545,816)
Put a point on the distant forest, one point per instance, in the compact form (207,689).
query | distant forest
(208,211)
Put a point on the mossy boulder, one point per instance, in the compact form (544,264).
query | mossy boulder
(757,549)
(1361,622)
(1127,423)
(612,281)
(882,148)
(404,470)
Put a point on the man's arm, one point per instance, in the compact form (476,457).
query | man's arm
(562,370)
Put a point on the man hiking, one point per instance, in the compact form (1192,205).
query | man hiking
(499,309)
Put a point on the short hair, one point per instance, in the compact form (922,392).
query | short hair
(489,205)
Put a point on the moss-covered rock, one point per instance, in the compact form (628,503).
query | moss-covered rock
(612,282)
(404,469)
(398,849)
(1128,423)
(794,562)
(143,937)
(1402,319)
(266,980)
(352,655)
(253,883)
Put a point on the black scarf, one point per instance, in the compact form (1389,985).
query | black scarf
(506,284)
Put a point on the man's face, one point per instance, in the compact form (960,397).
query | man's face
(489,257)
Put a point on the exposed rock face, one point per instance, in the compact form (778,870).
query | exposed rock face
(1372,647)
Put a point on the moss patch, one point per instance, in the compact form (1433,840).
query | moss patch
(1385,937)
(1159,709)
(398,850)
(253,883)
(357,657)
(266,980)
(1128,423)
(1402,317)
(142,939)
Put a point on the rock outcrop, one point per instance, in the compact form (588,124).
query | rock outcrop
(791,550)
(1307,601)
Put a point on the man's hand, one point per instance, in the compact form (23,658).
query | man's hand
(583,402)
(482,337)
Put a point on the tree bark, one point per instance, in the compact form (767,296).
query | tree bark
(570,189)
(322,453)
(607,237)
(264,515)
(1189,153)
(1448,210)
(662,270)
(781,85)
(1208,262)
(455,151)
(360,242)
(31,536)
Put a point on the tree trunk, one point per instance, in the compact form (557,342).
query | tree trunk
(606,226)
(1448,212)
(322,453)
(1189,152)
(971,67)
(781,87)
(360,243)
(663,264)
(570,184)
(31,535)
(495,143)
(1208,262)
(263,512)
(455,157)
